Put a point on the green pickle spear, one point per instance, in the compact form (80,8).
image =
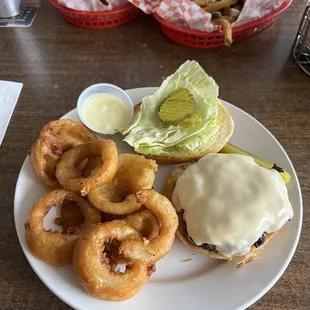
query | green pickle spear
(231,149)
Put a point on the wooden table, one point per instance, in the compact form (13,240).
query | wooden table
(56,61)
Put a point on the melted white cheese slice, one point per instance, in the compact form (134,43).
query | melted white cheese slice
(229,201)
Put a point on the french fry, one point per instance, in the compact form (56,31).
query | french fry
(226,29)
(235,12)
(217,14)
(231,19)
(216,6)
(203,3)
(226,11)
(237,6)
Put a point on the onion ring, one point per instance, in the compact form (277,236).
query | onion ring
(145,222)
(71,217)
(95,274)
(134,173)
(53,247)
(107,217)
(168,223)
(89,166)
(71,178)
(55,138)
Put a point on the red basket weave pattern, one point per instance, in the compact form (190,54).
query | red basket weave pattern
(199,39)
(99,20)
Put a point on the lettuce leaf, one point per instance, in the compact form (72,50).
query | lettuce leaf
(148,134)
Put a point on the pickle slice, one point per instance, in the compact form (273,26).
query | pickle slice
(177,107)
(191,121)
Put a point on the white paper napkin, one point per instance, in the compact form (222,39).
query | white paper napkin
(9,93)
(93,5)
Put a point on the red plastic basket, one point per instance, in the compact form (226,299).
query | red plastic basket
(98,20)
(200,39)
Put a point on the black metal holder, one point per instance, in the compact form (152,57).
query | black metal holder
(301,46)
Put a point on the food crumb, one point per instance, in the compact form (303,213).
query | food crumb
(161,67)
(186,260)
(163,77)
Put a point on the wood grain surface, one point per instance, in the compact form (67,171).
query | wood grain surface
(56,61)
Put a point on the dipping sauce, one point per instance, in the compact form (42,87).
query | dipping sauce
(105,112)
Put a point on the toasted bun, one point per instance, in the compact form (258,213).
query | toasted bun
(216,143)
(182,233)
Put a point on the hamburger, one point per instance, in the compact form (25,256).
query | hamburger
(228,206)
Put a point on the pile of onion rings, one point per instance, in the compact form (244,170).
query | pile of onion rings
(110,215)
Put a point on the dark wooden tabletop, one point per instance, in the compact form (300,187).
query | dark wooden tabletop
(56,61)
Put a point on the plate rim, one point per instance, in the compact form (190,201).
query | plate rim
(250,301)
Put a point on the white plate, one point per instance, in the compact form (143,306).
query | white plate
(200,284)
